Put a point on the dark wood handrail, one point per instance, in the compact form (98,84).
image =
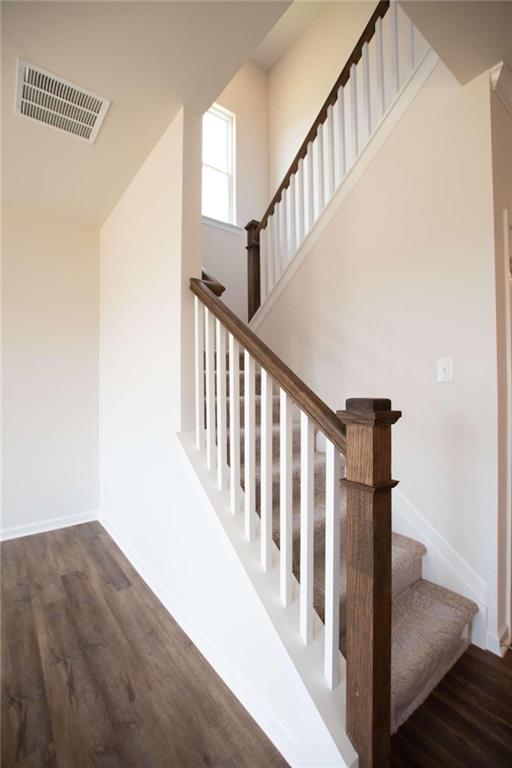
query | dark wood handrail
(320,413)
(342,80)
(212,283)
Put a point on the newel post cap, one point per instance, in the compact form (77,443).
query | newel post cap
(368,410)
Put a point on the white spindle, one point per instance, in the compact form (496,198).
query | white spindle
(339,138)
(277,246)
(269,262)
(283,260)
(395,43)
(292,216)
(310,188)
(199,371)
(367,97)
(332,565)
(234,424)
(319,179)
(285,501)
(220,334)
(329,152)
(210,388)
(266,471)
(306,528)
(300,203)
(249,448)
(381,72)
(353,112)
(263,263)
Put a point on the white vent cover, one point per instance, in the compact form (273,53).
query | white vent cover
(60,104)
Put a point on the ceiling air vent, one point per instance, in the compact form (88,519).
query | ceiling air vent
(60,104)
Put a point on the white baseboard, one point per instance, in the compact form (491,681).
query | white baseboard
(495,642)
(443,564)
(390,119)
(17,531)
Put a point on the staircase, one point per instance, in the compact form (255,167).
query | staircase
(282,453)
(312,487)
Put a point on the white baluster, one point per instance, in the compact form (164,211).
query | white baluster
(329,153)
(300,203)
(292,214)
(283,260)
(210,388)
(277,244)
(234,424)
(395,57)
(367,103)
(310,189)
(339,138)
(381,76)
(332,565)
(306,528)
(199,371)
(270,255)
(266,471)
(221,405)
(285,502)
(263,264)
(319,180)
(353,112)
(249,448)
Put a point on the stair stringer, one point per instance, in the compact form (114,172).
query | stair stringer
(327,742)
(381,133)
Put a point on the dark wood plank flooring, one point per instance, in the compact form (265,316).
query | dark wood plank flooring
(96,673)
(466,722)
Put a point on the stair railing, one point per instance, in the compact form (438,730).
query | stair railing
(382,62)
(363,434)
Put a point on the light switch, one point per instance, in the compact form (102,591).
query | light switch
(445,370)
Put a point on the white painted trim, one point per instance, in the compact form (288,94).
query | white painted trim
(495,641)
(501,82)
(507,282)
(17,531)
(443,564)
(390,119)
(233,229)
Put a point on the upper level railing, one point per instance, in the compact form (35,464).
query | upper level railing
(382,62)
(363,434)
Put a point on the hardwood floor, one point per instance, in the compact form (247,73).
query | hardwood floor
(96,673)
(466,722)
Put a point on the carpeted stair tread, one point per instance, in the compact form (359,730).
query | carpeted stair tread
(428,636)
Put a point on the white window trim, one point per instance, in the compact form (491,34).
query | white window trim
(230,118)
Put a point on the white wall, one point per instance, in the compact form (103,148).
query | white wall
(404,274)
(50,371)
(150,498)
(301,80)
(225,258)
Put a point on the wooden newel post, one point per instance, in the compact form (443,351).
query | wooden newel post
(253,267)
(368,607)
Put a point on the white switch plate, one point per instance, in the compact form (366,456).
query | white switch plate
(445,370)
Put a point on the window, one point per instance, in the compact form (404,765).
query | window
(218,164)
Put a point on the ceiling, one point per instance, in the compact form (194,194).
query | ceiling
(288,29)
(469,36)
(149,58)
